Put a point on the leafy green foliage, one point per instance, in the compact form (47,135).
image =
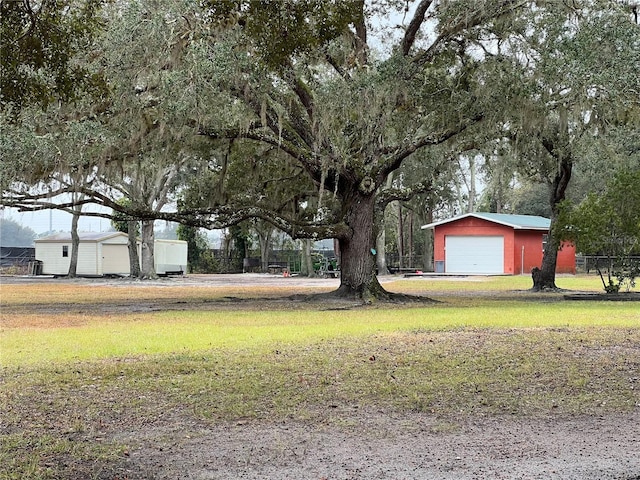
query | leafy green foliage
(120,221)
(39,41)
(531,199)
(608,225)
(241,244)
(568,94)
(285,29)
(199,256)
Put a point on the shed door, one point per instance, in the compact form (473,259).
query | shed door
(467,254)
(115,259)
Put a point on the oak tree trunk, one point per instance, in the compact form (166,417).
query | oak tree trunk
(264,252)
(75,245)
(425,217)
(400,234)
(357,253)
(381,252)
(265,239)
(544,278)
(410,240)
(148,265)
(306,266)
(132,244)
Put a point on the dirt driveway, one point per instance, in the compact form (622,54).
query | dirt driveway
(226,280)
(383,446)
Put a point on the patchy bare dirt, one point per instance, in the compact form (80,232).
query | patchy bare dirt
(369,444)
(266,292)
(377,445)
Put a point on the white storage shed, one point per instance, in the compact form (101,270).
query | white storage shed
(105,254)
(98,254)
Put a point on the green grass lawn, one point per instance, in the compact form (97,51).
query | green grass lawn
(184,331)
(173,332)
(503,284)
(71,378)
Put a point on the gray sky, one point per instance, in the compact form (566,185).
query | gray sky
(40,222)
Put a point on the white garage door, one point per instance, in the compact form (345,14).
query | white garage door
(465,254)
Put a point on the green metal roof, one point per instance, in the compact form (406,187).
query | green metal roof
(518,222)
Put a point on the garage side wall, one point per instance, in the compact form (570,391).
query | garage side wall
(528,245)
(50,254)
(531,242)
(566,259)
(471,226)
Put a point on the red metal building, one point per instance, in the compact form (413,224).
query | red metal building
(494,243)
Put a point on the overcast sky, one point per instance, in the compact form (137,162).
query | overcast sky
(47,220)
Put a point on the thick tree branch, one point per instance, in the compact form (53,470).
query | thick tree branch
(301,90)
(228,215)
(397,154)
(32,202)
(562,174)
(403,194)
(336,66)
(361,35)
(464,22)
(281,127)
(414,26)
(310,163)
(220,216)
(254,133)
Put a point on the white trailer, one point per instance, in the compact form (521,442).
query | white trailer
(170,257)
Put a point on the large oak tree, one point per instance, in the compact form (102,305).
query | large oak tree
(300,112)
(308,80)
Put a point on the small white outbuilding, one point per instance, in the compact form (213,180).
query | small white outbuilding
(105,254)
(98,254)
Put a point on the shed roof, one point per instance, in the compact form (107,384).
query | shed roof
(84,237)
(517,222)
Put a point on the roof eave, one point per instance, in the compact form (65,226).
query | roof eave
(481,217)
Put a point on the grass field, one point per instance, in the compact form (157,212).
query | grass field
(94,337)
(71,378)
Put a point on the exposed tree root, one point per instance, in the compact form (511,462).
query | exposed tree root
(545,289)
(359,298)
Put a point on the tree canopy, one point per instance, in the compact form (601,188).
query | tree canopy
(335,112)
(13,234)
(39,44)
